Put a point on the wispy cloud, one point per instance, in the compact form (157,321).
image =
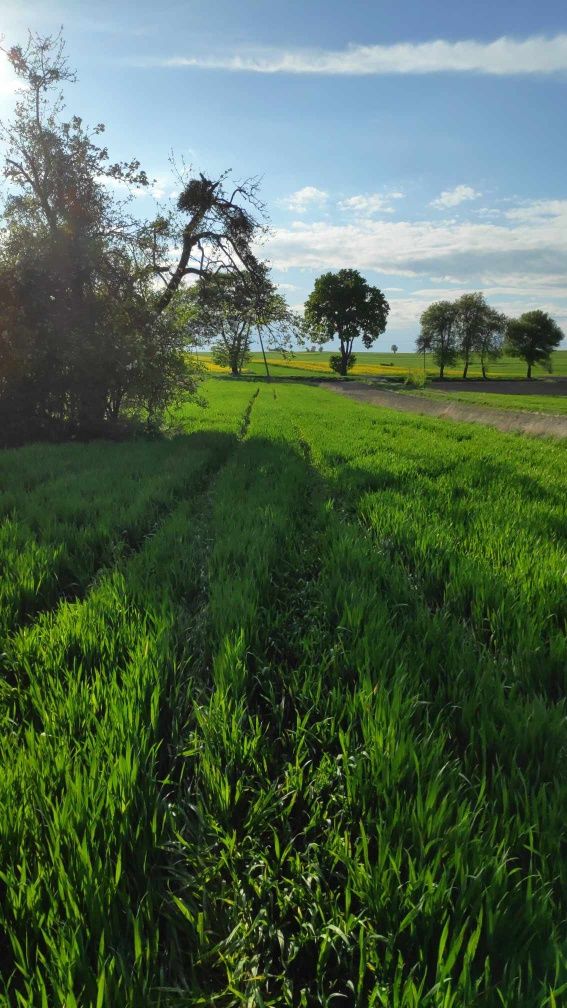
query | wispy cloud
(540,210)
(161,187)
(533,55)
(370,203)
(452,197)
(300,200)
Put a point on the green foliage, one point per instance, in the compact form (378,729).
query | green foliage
(480,329)
(438,334)
(462,328)
(416,379)
(224,313)
(526,403)
(343,305)
(228,307)
(287,722)
(83,346)
(533,336)
(338,363)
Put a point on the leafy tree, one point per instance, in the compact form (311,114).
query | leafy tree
(479,329)
(233,349)
(394,348)
(344,305)
(223,315)
(84,339)
(533,336)
(490,338)
(438,334)
(470,316)
(229,306)
(274,322)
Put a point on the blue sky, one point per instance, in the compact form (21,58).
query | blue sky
(423,143)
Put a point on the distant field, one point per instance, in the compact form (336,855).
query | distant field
(388,364)
(529,403)
(282,713)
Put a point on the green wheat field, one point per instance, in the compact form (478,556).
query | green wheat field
(385,364)
(283,714)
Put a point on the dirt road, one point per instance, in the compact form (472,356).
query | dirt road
(507,420)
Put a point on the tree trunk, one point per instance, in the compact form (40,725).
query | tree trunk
(264,354)
(442,370)
(465,369)
(345,357)
(529,375)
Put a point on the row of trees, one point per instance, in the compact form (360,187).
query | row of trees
(343,306)
(452,330)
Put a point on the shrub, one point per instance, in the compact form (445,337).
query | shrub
(336,363)
(416,379)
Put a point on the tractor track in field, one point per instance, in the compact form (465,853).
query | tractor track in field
(535,424)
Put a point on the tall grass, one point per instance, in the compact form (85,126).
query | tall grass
(304,744)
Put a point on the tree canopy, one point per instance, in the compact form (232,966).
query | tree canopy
(343,305)
(533,336)
(438,334)
(478,329)
(460,329)
(86,339)
(228,308)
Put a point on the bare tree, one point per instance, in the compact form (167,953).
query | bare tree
(212,229)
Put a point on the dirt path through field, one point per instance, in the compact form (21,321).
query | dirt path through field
(506,420)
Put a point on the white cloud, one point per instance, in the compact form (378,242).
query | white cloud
(539,210)
(413,248)
(519,261)
(300,200)
(533,55)
(405,311)
(452,197)
(370,204)
(158,188)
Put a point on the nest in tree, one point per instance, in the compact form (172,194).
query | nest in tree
(197,196)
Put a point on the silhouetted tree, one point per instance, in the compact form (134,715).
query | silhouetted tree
(214,228)
(84,336)
(80,338)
